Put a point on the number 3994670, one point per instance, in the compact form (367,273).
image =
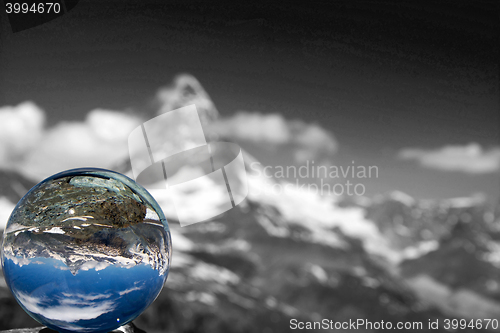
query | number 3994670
(35,8)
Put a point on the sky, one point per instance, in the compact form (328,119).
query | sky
(409,88)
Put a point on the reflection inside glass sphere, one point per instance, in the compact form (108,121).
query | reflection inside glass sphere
(86,250)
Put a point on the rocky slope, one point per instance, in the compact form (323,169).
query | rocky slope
(256,267)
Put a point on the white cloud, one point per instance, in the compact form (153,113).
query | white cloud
(309,141)
(111,126)
(101,139)
(312,141)
(21,128)
(471,158)
(128,291)
(98,141)
(69,310)
(255,127)
(87,297)
(6,208)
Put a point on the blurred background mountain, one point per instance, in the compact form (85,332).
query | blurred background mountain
(299,254)
(408,89)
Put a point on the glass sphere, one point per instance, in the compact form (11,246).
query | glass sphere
(86,250)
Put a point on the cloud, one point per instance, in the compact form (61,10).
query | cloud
(21,128)
(312,141)
(254,127)
(309,141)
(128,291)
(471,158)
(101,139)
(70,310)
(6,208)
(98,141)
(87,297)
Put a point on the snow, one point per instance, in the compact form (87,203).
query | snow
(420,249)
(55,230)
(193,200)
(320,214)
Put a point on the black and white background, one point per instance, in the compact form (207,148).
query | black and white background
(408,88)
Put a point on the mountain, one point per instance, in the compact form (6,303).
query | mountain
(256,267)
(464,267)
(185,90)
(13,186)
(407,222)
(294,254)
(267,268)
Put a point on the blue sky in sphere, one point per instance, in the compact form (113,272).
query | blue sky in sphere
(57,297)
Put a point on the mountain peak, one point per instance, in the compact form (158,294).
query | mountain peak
(185,90)
(13,185)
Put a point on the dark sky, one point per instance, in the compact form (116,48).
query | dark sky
(381,75)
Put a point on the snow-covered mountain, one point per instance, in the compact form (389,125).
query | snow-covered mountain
(296,254)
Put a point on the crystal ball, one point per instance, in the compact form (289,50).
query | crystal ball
(86,250)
